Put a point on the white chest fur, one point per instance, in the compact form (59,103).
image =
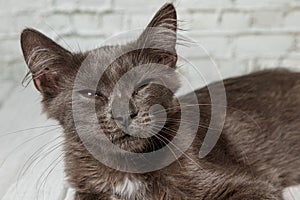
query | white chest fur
(129,188)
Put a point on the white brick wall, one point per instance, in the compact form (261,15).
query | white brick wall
(240,35)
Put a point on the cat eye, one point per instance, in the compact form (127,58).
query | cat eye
(90,93)
(143,84)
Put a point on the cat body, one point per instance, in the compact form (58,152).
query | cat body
(256,155)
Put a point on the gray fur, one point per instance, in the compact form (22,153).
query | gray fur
(257,155)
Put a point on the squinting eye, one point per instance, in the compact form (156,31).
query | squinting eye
(90,93)
(143,84)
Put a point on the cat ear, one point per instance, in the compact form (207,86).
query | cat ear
(161,35)
(165,18)
(47,61)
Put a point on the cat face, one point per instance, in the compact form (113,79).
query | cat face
(120,90)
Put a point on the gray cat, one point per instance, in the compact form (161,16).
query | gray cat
(255,158)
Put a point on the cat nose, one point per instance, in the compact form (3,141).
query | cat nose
(125,120)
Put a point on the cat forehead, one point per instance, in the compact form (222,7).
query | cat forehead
(106,59)
(103,66)
(111,51)
(106,65)
(102,57)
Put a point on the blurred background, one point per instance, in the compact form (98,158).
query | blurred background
(240,36)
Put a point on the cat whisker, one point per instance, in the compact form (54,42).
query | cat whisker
(52,149)
(188,122)
(26,141)
(154,134)
(36,155)
(28,129)
(230,107)
(53,164)
(181,150)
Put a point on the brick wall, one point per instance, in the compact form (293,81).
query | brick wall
(240,35)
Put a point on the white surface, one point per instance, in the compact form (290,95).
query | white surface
(31,159)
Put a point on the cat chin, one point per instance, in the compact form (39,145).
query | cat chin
(131,144)
(118,144)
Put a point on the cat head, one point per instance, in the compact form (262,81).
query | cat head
(118,83)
